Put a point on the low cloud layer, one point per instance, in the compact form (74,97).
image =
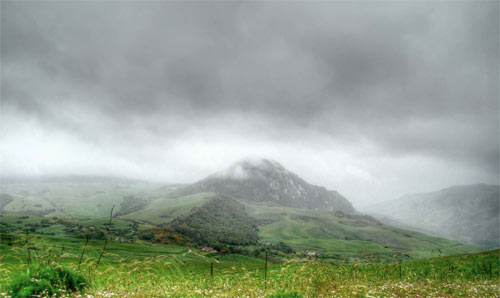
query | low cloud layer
(372,99)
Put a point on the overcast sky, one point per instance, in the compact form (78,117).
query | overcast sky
(373,99)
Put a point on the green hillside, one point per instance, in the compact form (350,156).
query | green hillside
(346,235)
(73,209)
(75,199)
(166,209)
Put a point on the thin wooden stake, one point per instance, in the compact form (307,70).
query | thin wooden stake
(107,237)
(83,251)
(60,255)
(212,269)
(27,245)
(265,269)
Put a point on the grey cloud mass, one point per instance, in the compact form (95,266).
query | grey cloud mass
(373,99)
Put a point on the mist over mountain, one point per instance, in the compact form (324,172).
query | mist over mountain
(267,181)
(18,179)
(468,213)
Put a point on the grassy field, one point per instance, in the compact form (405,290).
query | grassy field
(149,270)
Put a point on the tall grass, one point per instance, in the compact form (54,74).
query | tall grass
(161,275)
(45,280)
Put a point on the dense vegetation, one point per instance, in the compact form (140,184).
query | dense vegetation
(46,280)
(221,220)
(131,204)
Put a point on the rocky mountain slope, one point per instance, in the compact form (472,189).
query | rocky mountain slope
(268,181)
(468,213)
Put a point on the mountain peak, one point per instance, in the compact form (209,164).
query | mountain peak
(262,163)
(264,180)
(250,168)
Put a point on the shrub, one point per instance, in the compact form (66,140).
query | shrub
(47,281)
(293,294)
(148,236)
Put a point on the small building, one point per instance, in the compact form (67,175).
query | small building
(121,239)
(208,249)
(312,253)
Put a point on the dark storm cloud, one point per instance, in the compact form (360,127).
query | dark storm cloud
(406,78)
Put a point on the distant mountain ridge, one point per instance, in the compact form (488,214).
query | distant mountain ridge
(4,179)
(468,213)
(263,180)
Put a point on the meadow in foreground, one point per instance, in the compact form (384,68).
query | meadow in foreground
(187,273)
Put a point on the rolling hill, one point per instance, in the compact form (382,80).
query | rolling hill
(467,213)
(246,206)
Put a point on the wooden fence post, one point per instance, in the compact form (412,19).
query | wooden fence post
(107,237)
(84,248)
(28,245)
(60,255)
(265,269)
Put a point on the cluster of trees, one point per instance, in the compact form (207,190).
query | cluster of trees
(163,235)
(99,232)
(283,247)
(272,249)
(131,204)
(70,228)
(32,227)
(220,221)
(6,228)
